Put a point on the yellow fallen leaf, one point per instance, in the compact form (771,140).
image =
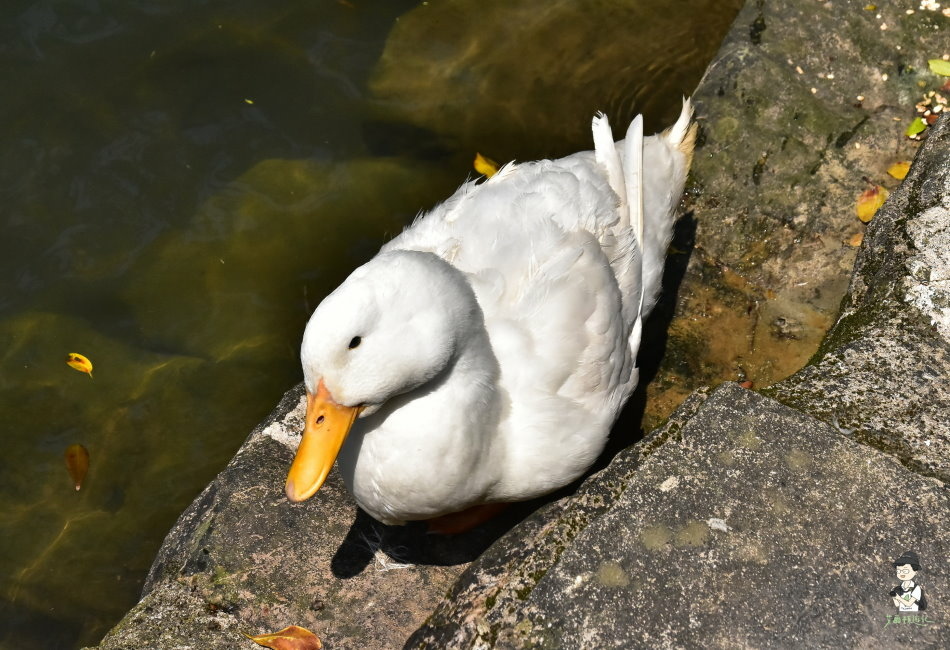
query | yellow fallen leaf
(77,463)
(485,166)
(899,169)
(856,240)
(869,202)
(939,66)
(292,637)
(78,362)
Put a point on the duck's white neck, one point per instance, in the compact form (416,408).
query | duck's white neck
(469,383)
(434,444)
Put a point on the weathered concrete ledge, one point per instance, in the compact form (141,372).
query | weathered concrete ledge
(744,521)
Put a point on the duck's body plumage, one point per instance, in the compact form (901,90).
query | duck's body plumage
(522,300)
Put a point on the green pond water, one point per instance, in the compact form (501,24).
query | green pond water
(180,184)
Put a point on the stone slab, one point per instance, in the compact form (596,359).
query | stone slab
(752,525)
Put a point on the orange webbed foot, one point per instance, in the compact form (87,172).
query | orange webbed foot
(464,520)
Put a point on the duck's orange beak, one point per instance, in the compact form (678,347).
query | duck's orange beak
(326,427)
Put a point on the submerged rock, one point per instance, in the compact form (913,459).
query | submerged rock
(67,560)
(489,73)
(280,215)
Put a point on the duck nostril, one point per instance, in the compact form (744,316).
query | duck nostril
(320,420)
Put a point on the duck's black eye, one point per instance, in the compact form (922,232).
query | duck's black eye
(355,341)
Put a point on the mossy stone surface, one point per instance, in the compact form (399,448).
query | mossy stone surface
(880,374)
(804,101)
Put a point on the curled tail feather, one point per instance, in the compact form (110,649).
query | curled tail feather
(643,261)
(682,135)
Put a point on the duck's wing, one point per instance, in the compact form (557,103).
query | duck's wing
(565,366)
(625,266)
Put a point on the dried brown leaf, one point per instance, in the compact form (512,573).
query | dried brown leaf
(77,463)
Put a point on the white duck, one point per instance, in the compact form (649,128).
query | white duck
(483,355)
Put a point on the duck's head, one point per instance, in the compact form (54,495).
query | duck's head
(391,327)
